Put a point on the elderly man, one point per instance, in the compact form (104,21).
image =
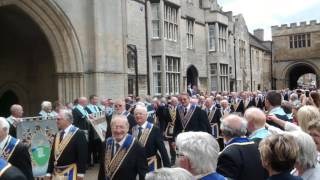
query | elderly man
(124,157)
(190,117)
(198,153)
(14,151)
(150,137)
(94,141)
(240,159)
(120,109)
(225,108)
(15,118)
(69,150)
(256,124)
(170,174)
(46,110)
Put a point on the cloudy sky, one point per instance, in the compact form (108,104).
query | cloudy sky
(266,13)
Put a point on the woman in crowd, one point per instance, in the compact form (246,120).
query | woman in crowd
(278,155)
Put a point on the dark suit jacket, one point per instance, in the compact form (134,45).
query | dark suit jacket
(13,173)
(80,121)
(241,162)
(163,114)
(75,152)
(198,122)
(20,158)
(134,164)
(154,144)
(12,131)
(131,121)
(240,107)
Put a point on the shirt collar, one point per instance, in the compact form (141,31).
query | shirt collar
(66,130)
(121,142)
(257,131)
(144,125)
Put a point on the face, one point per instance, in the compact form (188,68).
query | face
(119,107)
(19,112)
(119,129)
(316,137)
(48,108)
(61,122)
(140,116)
(185,100)
(224,104)
(94,100)
(183,161)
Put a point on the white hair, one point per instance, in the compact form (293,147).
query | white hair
(122,118)
(201,149)
(232,132)
(15,108)
(140,107)
(170,174)
(67,115)
(45,104)
(307,157)
(4,125)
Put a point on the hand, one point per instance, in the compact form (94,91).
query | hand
(271,118)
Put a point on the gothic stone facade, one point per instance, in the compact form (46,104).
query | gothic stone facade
(296,50)
(63,49)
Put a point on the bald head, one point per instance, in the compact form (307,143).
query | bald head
(256,118)
(83,101)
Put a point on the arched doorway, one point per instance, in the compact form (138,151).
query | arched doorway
(296,71)
(192,76)
(26,59)
(6,100)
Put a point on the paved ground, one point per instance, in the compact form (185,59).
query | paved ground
(92,173)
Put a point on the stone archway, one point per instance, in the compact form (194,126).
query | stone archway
(192,76)
(295,71)
(41,52)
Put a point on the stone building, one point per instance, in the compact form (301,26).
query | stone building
(63,49)
(296,50)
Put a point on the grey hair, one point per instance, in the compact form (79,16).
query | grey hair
(201,149)
(232,132)
(122,117)
(15,108)
(4,125)
(170,174)
(307,157)
(45,104)
(66,114)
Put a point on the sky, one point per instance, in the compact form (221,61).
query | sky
(266,13)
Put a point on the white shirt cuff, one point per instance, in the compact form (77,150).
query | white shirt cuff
(80,175)
(48,175)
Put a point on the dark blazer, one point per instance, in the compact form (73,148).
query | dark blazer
(252,102)
(75,152)
(155,144)
(135,163)
(198,122)
(131,121)
(80,121)
(162,114)
(241,162)
(20,158)
(12,173)
(12,131)
(240,107)
(284,176)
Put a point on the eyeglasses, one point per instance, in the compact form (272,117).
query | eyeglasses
(117,105)
(179,155)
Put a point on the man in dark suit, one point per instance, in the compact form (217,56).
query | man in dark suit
(14,151)
(237,103)
(9,172)
(149,136)
(124,157)
(81,121)
(240,159)
(190,117)
(15,118)
(94,141)
(120,109)
(214,116)
(69,149)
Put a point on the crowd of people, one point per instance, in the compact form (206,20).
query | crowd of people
(228,135)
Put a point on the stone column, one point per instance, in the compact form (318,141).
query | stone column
(70,86)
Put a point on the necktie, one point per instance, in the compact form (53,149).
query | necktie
(61,135)
(208,112)
(185,111)
(117,147)
(140,132)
